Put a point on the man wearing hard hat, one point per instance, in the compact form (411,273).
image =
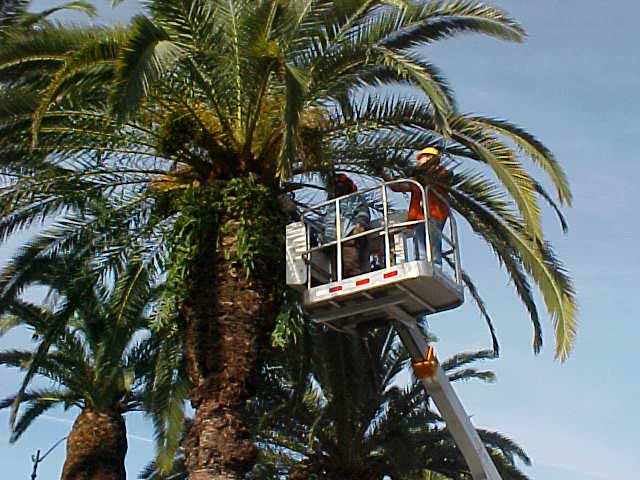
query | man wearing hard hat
(354,219)
(428,166)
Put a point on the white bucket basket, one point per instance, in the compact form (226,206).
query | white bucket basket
(395,271)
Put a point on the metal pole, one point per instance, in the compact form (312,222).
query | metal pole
(339,240)
(387,240)
(454,233)
(424,191)
(35,459)
(444,396)
(307,228)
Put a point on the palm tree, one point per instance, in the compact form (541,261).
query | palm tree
(102,366)
(190,125)
(356,419)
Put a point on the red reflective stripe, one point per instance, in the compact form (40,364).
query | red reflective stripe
(390,274)
(335,289)
(364,281)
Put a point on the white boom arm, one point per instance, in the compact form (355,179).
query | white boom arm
(444,396)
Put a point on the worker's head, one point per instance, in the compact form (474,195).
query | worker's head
(427,155)
(343,185)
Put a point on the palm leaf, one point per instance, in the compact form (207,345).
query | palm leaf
(428,78)
(507,168)
(38,403)
(488,203)
(446,19)
(148,54)
(483,310)
(535,150)
(555,286)
(77,5)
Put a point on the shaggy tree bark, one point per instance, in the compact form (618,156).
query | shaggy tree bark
(229,316)
(96,447)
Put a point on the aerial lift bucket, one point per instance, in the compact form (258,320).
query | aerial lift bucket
(395,289)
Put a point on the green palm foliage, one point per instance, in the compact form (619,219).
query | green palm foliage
(16,14)
(357,418)
(164,146)
(345,410)
(300,82)
(98,362)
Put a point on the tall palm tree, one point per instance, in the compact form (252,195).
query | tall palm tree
(190,125)
(358,418)
(102,366)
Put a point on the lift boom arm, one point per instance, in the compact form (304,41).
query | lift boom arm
(444,396)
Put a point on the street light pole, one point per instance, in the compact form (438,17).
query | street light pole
(37,459)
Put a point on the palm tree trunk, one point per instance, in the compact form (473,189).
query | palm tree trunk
(96,447)
(229,316)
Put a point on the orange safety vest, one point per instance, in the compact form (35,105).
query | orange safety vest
(438,209)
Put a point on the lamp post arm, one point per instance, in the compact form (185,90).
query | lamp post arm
(37,459)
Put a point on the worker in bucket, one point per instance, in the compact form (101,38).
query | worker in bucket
(354,218)
(428,166)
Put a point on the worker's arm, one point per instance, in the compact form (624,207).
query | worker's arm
(360,217)
(396,187)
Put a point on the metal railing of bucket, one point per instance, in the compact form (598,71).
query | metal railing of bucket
(327,217)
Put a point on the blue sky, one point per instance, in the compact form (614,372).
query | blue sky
(575,84)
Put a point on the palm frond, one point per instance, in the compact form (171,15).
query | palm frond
(296,85)
(462,359)
(543,193)
(16,358)
(534,149)
(43,49)
(103,50)
(506,167)
(38,403)
(428,78)
(77,5)
(466,279)
(483,206)
(545,270)
(508,447)
(440,20)
(470,373)
(148,54)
